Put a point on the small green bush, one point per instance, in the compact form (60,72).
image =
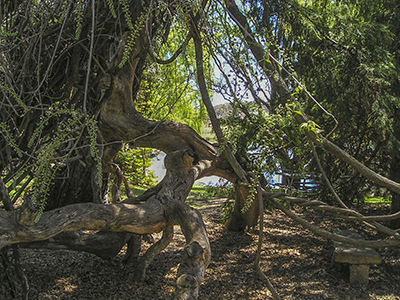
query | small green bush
(135,164)
(210,191)
(227,209)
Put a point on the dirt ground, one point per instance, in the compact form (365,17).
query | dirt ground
(297,262)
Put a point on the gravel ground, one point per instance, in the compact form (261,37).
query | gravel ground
(297,262)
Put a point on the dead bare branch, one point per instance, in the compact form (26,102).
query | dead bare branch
(331,236)
(337,212)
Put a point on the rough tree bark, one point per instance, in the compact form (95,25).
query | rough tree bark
(13,281)
(158,212)
(189,157)
(106,245)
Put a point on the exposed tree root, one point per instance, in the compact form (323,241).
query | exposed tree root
(134,246)
(145,260)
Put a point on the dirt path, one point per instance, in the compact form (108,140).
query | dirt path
(297,262)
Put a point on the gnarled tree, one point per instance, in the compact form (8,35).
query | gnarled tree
(71,76)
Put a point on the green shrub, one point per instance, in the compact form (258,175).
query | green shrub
(135,163)
(210,191)
(226,190)
(227,209)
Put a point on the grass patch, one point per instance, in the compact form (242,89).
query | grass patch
(138,190)
(208,134)
(194,204)
(209,192)
(198,189)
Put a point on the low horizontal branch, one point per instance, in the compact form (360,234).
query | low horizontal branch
(148,217)
(105,245)
(374,218)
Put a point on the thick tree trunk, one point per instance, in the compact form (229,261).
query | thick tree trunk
(69,187)
(119,120)
(163,208)
(13,282)
(245,212)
